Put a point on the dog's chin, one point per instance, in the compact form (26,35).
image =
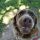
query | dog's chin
(25,32)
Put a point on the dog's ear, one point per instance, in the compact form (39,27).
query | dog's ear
(14,23)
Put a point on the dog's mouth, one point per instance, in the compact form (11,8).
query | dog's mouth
(25,30)
(26,26)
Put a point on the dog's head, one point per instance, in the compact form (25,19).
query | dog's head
(25,21)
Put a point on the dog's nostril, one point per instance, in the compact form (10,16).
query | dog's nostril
(29,21)
(25,20)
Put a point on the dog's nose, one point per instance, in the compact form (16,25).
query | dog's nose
(27,22)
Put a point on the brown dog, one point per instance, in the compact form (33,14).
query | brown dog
(25,23)
(22,26)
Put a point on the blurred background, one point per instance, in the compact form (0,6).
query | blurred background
(8,8)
